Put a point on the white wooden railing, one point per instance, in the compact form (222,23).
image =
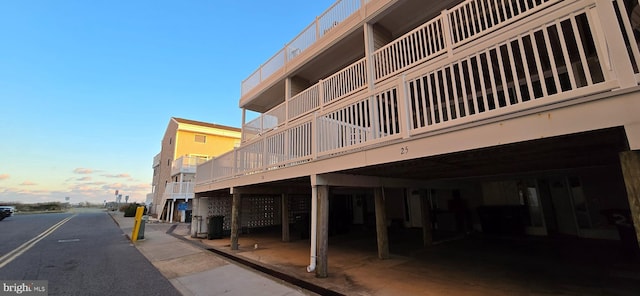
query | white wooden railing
(344,82)
(552,54)
(329,19)
(265,122)
(471,19)
(179,190)
(304,102)
(187,164)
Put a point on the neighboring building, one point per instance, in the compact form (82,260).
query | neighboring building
(514,117)
(186,143)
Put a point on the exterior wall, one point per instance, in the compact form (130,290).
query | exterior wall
(167,156)
(215,144)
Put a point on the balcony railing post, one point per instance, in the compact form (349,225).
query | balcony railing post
(321,93)
(314,136)
(235,162)
(403,101)
(317,28)
(612,44)
(264,152)
(446,32)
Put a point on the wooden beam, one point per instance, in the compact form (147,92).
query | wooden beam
(235,220)
(322,232)
(425,207)
(630,163)
(285,218)
(381,223)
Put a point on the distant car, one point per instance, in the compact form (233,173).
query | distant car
(3,215)
(7,211)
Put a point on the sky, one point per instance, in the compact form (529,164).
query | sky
(87,88)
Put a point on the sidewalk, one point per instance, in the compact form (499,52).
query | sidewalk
(469,267)
(196,271)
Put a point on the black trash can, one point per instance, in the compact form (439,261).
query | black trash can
(188,216)
(215,227)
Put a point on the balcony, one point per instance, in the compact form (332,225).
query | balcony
(187,164)
(472,64)
(156,161)
(335,14)
(179,190)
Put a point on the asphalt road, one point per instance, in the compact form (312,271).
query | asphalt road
(87,255)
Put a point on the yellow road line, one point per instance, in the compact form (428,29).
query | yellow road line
(6,259)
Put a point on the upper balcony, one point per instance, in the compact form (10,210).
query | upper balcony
(470,64)
(332,41)
(187,164)
(179,190)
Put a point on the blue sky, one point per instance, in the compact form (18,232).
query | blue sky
(87,88)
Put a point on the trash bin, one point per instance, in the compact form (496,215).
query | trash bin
(141,230)
(188,216)
(215,227)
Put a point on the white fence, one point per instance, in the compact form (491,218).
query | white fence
(346,81)
(335,14)
(304,102)
(179,190)
(559,54)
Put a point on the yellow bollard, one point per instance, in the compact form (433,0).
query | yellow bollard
(136,225)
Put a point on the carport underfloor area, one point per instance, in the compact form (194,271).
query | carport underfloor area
(470,265)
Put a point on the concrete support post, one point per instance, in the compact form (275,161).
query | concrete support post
(425,209)
(285,218)
(235,220)
(630,162)
(322,243)
(381,223)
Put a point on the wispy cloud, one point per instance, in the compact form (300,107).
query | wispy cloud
(87,178)
(28,183)
(4,176)
(83,171)
(124,175)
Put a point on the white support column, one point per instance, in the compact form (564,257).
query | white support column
(173,202)
(369,48)
(314,224)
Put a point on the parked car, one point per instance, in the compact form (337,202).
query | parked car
(7,210)
(3,215)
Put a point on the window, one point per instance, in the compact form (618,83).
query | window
(201,139)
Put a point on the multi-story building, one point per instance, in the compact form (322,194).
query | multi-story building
(186,143)
(493,116)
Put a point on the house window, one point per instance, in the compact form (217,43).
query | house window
(201,139)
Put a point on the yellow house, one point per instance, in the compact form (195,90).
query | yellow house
(186,143)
